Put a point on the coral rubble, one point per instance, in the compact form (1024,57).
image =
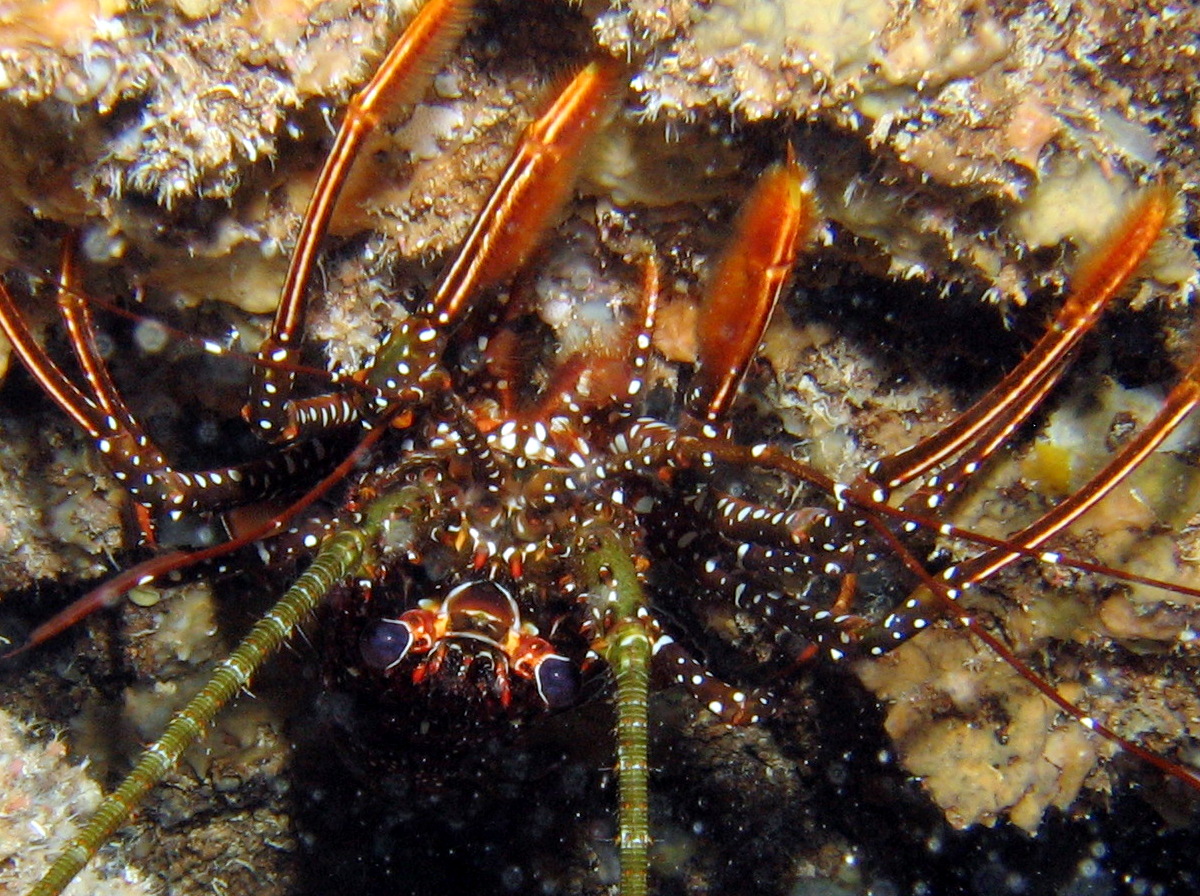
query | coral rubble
(42,798)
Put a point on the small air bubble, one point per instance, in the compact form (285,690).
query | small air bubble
(105,346)
(150,336)
(207,432)
(100,246)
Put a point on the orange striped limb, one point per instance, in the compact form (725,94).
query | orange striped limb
(987,423)
(1182,400)
(751,275)
(603,377)
(400,80)
(86,410)
(97,407)
(609,380)
(531,192)
(77,317)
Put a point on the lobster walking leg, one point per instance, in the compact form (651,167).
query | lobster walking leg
(992,419)
(774,223)
(135,459)
(400,80)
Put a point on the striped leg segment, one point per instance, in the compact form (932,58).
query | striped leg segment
(531,191)
(400,80)
(984,426)
(776,220)
(135,459)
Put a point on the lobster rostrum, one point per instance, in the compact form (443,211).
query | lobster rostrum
(506,527)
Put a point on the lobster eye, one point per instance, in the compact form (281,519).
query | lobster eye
(557,681)
(385,643)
